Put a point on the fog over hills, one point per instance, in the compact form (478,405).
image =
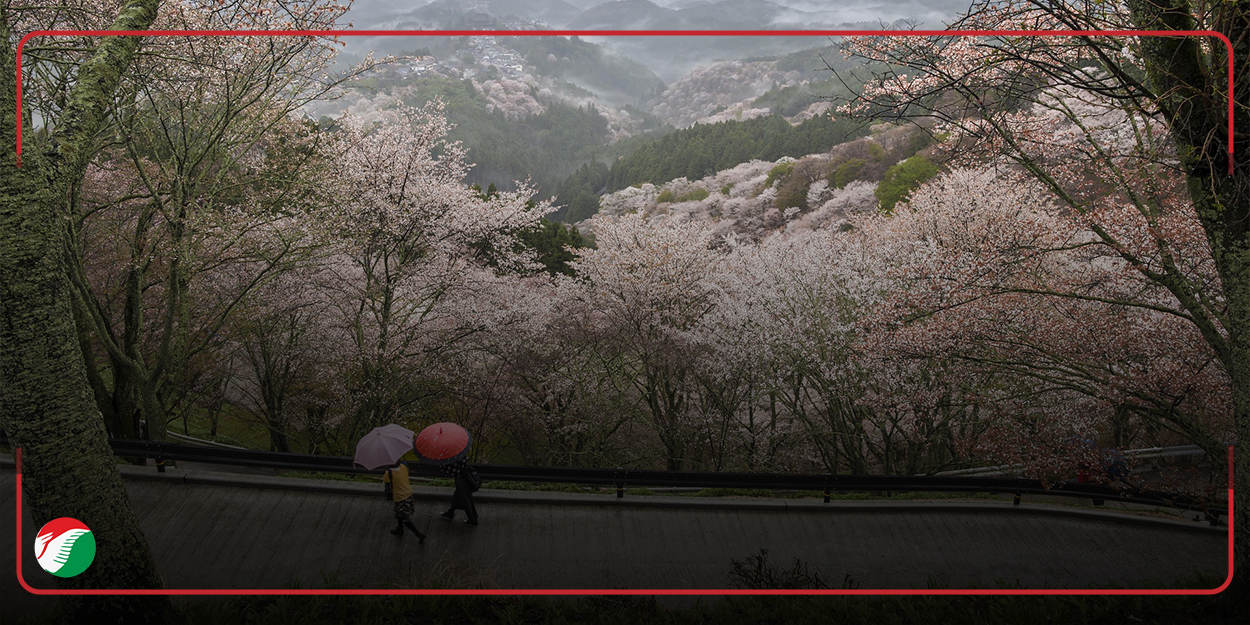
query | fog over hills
(561,111)
(667,57)
(750,13)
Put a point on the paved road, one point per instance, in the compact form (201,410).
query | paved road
(208,535)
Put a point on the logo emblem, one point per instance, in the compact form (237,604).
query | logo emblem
(65,547)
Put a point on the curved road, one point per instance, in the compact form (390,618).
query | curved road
(214,530)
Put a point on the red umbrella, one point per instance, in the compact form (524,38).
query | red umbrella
(442,443)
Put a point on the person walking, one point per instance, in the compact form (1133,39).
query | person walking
(467,481)
(397,486)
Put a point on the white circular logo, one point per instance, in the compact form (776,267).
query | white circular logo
(65,547)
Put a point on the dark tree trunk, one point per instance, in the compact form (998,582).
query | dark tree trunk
(1192,91)
(47,406)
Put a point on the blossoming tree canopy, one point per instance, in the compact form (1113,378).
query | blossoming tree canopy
(80,93)
(1133,135)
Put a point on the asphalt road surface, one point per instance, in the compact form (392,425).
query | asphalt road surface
(218,530)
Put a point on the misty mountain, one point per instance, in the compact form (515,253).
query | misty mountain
(388,13)
(723,15)
(669,58)
(666,14)
(442,12)
(672,57)
(686,4)
(613,79)
(629,15)
(796,85)
(762,14)
(710,89)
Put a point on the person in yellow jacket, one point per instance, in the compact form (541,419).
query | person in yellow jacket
(396,483)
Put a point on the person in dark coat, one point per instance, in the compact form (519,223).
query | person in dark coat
(467,481)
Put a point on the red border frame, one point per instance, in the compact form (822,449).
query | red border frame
(626,33)
(618,591)
(631,33)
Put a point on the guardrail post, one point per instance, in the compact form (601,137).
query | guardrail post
(1015,500)
(826,489)
(160,465)
(620,483)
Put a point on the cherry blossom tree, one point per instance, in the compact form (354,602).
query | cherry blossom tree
(409,235)
(984,245)
(158,268)
(1129,133)
(284,360)
(737,374)
(1103,144)
(564,396)
(650,282)
(810,301)
(71,104)
(201,124)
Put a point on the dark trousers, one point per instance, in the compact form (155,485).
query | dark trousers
(462,499)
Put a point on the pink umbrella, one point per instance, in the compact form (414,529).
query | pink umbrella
(442,443)
(383,447)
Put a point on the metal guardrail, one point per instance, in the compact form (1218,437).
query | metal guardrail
(199,441)
(1213,509)
(1148,453)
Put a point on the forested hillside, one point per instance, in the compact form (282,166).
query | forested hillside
(706,148)
(694,153)
(707,90)
(755,199)
(542,147)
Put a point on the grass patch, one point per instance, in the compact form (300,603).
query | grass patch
(851,496)
(234,427)
(755,492)
(541,486)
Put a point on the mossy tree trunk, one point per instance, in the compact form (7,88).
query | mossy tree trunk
(47,406)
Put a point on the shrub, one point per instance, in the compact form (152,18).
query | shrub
(875,150)
(778,171)
(900,180)
(694,195)
(847,172)
(756,573)
(793,193)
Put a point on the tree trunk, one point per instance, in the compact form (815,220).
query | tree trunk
(103,399)
(1193,92)
(153,411)
(1238,297)
(47,406)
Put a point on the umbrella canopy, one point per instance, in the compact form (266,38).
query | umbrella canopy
(442,443)
(383,446)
